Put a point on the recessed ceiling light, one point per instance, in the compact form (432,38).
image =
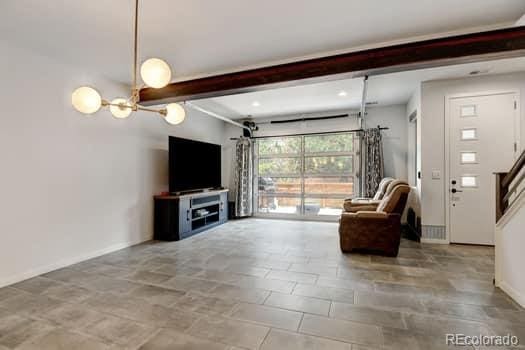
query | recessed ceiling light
(342,94)
(256,104)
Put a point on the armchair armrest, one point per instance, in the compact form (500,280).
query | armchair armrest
(362,201)
(351,207)
(357,199)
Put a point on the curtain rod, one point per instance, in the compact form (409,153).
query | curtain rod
(307,119)
(313,133)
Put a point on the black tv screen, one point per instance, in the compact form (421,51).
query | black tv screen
(193,165)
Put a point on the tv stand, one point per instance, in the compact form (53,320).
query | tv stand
(202,190)
(180,216)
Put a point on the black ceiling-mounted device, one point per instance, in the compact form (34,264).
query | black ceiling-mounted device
(251,126)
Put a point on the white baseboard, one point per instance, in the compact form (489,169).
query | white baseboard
(66,262)
(434,241)
(513,293)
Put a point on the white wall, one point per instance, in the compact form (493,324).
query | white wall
(433,133)
(509,251)
(72,186)
(394,139)
(395,145)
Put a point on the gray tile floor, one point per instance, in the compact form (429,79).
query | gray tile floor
(260,284)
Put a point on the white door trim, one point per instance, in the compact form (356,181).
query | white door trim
(517,124)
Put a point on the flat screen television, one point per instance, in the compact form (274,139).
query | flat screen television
(193,165)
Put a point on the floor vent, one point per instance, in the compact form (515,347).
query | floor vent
(433,232)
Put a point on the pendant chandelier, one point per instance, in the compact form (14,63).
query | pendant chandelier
(154,72)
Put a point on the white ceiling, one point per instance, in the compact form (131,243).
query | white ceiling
(388,89)
(201,37)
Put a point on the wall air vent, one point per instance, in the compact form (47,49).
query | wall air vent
(434,232)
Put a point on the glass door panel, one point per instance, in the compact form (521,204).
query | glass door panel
(328,165)
(328,143)
(279,166)
(322,206)
(306,175)
(343,185)
(279,145)
(273,185)
(279,205)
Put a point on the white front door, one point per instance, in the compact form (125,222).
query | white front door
(484,131)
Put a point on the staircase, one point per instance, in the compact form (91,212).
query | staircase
(510,231)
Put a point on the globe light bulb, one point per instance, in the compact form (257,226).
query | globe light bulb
(155,73)
(120,108)
(86,100)
(175,114)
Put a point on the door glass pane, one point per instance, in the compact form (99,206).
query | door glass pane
(468,134)
(328,143)
(343,185)
(273,185)
(468,158)
(279,166)
(328,165)
(469,181)
(279,145)
(323,206)
(279,205)
(468,111)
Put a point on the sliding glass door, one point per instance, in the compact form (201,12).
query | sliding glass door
(306,175)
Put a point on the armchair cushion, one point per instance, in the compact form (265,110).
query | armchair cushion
(380,193)
(386,186)
(365,201)
(392,185)
(395,201)
(381,189)
(352,207)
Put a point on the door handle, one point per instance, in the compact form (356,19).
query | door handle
(188,215)
(454,190)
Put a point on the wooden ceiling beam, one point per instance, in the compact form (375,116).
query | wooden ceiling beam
(475,47)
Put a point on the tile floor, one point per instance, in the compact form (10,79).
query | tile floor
(260,284)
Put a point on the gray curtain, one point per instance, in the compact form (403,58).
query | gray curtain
(243,177)
(371,161)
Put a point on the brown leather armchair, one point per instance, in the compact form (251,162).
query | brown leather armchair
(379,231)
(359,204)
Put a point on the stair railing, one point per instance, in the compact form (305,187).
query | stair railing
(509,186)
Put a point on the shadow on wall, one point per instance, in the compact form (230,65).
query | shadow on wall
(153,178)
(392,152)
(228,167)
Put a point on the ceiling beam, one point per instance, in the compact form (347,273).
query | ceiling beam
(496,44)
